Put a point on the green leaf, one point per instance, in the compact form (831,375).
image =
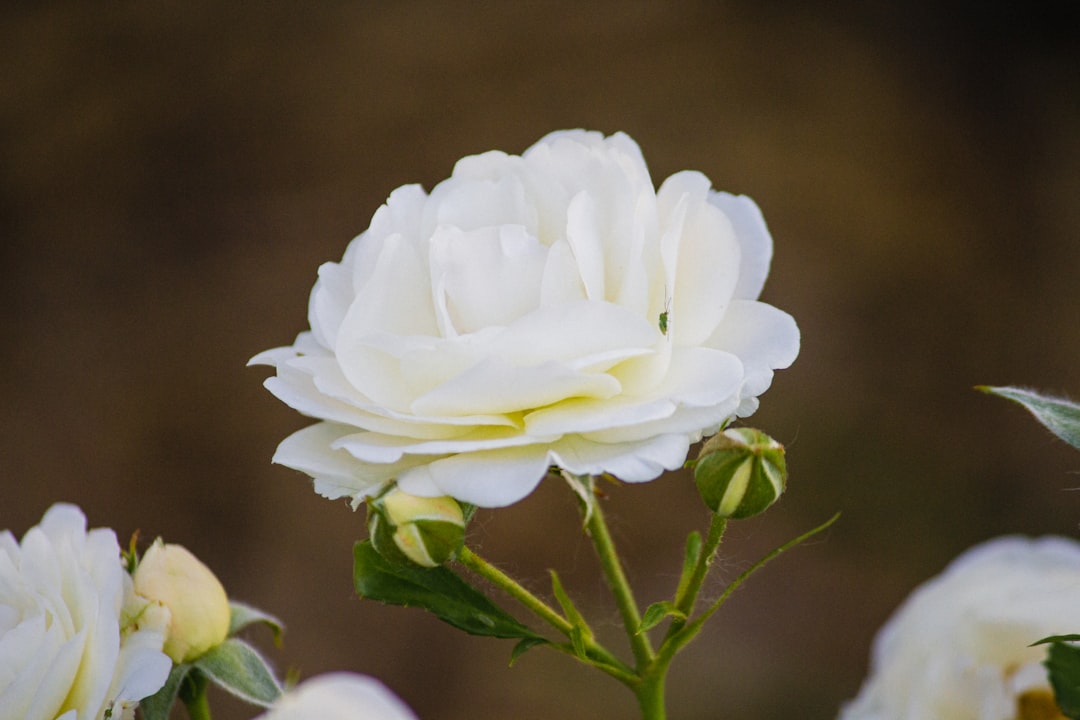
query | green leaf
(1063,662)
(158,705)
(239,669)
(1060,416)
(691,558)
(243,615)
(437,590)
(1055,638)
(524,646)
(569,609)
(577,641)
(655,614)
(583,487)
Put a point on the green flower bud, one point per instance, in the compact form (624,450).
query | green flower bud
(740,472)
(406,528)
(199,612)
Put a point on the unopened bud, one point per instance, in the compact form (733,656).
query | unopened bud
(427,531)
(740,472)
(198,606)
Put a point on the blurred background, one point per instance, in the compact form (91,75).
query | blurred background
(171,177)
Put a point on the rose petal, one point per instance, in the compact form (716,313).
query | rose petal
(755,242)
(630,462)
(764,338)
(580,415)
(394,299)
(702,244)
(336,472)
(495,386)
(377,448)
(583,236)
(490,478)
(488,277)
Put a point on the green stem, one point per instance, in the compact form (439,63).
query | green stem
(650,694)
(193,694)
(597,528)
(598,655)
(514,589)
(673,643)
(685,600)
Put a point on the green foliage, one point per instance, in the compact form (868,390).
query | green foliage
(239,669)
(1060,416)
(234,666)
(1063,662)
(655,614)
(243,615)
(437,590)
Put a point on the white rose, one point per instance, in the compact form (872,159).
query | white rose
(73,641)
(547,309)
(959,646)
(339,696)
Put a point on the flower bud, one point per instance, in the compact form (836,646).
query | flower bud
(406,528)
(198,607)
(740,472)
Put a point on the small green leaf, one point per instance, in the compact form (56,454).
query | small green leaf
(691,558)
(569,609)
(524,646)
(1054,639)
(577,641)
(437,590)
(158,705)
(582,485)
(1060,416)
(239,669)
(243,615)
(1063,662)
(655,614)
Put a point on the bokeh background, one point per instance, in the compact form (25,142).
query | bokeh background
(171,176)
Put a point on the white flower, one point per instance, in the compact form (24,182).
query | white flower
(339,696)
(547,309)
(958,648)
(73,641)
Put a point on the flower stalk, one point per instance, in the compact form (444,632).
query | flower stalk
(647,678)
(597,529)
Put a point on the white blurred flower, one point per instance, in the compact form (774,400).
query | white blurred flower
(339,696)
(958,647)
(74,640)
(547,309)
(198,607)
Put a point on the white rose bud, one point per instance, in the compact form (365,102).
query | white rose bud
(198,606)
(740,472)
(426,531)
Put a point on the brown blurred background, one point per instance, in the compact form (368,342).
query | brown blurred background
(171,176)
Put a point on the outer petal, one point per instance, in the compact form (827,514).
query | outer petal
(755,242)
(336,472)
(630,462)
(489,478)
(701,248)
(765,338)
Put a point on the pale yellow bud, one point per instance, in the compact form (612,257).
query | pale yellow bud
(422,530)
(198,606)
